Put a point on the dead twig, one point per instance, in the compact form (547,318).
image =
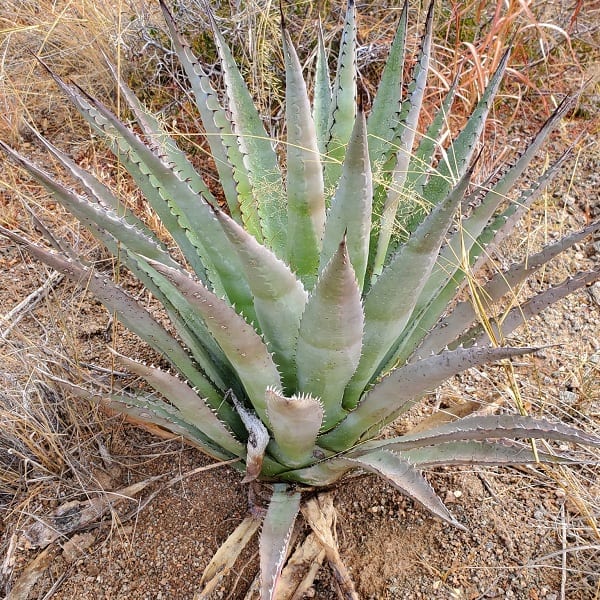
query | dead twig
(12,317)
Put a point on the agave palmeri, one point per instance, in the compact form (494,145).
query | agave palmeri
(316,304)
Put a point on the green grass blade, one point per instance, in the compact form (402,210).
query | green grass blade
(305,192)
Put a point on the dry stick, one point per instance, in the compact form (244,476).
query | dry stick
(34,570)
(563,539)
(18,312)
(319,514)
(9,559)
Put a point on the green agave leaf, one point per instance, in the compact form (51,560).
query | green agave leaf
(405,133)
(305,192)
(101,220)
(145,408)
(275,536)
(295,422)
(397,471)
(279,297)
(163,145)
(233,176)
(413,201)
(488,427)
(473,226)
(112,230)
(125,147)
(191,406)
(323,473)
(134,237)
(322,94)
(243,347)
(503,224)
(425,319)
(422,159)
(463,315)
(101,193)
(189,326)
(131,314)
(343,101)
(258,153)
(503,325)
(329,341)
(479,453)
(398,391)
(391,300)
(459,153)
(194,215)
(350,212)
(387,104)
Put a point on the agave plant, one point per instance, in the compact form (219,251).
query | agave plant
(315,304)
